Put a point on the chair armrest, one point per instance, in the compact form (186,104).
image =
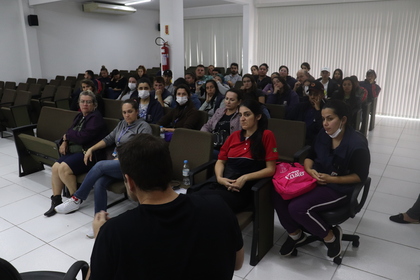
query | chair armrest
(24,129)
(300,153)
(260,184)
(197,187)
(18,106)
(45,98)
(6,103)
(200,168)
(74,270)
(356,205)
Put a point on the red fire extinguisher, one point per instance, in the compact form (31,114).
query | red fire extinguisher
(165,56)
(164,51)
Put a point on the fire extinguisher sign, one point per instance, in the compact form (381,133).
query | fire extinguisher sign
(167,29)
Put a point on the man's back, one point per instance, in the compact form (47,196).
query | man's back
(192,237)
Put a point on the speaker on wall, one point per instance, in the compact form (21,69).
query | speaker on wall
(33,20)
(158,26)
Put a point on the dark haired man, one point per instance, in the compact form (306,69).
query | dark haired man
(168,236)
(167,77)
(233,77)
(162,95)
(201,79)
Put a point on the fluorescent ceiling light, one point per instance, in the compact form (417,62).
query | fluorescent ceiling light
(95,7)
(137,2)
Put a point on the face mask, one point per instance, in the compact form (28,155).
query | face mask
(143,94)
(181,100)
(335,134)
(132,86)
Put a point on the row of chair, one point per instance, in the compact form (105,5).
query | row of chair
(35,151)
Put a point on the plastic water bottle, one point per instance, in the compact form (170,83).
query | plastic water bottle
(162,132)
(185,176)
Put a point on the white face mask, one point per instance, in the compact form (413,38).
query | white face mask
(132,86)
(143,94)
(181,100)
(335,134)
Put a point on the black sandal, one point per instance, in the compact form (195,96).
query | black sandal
(400,219)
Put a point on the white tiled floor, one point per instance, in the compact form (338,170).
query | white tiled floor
(387,250)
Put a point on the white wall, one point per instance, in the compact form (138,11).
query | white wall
(71,41)
(12,46)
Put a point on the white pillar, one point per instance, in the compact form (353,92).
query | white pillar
(249,29)
(172,22)
(30,38)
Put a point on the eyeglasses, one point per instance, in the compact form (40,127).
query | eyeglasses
(86,102)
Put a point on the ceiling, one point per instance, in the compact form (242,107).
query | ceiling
(154,4)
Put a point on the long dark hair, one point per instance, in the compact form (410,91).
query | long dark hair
(339,81)
(252,92)
(257,146)
(215,95)
(126,88)
(353,100)
(339,108)
(286,87)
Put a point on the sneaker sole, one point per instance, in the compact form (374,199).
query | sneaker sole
(66,212)
(341,238)
(300,241)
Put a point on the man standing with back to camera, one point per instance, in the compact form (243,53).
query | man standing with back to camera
(168,236)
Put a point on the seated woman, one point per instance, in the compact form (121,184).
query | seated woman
(212,98)
(223,88)
(105,172)
(268,89)
(183,115)
(129,89)
(150,109)
(87,128)
(254,70)
(225,121)
(347,93)
(339,159)
(117,84)
(247,155)
(309,111)
(141,72)
(104,76)
(86,85)
(338,76)
(250,90)
(191,81)
(282,94)
(284,73)
(193,96)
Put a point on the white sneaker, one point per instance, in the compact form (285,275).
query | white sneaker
(90,234)
(70,205)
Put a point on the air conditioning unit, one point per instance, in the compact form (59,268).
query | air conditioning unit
(103,8)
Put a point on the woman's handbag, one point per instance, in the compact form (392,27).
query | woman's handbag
(291,180)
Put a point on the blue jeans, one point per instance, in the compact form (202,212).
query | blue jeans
(102,174)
